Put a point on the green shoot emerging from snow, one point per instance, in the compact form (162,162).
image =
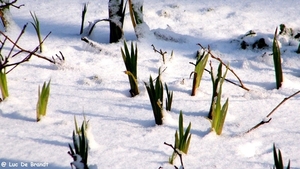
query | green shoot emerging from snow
(41,107)
(199,69)
(130,61)
(83,17)
(218,113)
(3,84)
(36,25)
(278,161)
(80,143)
(169,98)
(182,140)
(277,62)
(155,93)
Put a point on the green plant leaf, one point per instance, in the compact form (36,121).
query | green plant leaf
(182,139)
(187,145)
(169,98)
(71,149)
(80,141)
(183,135)
(3,84)
(155,93)
(277,62)
(84,10)
(130,61)
(76,126)
(36,25)
(43,96)
(222,117)
(180,125)
(176,140)
(75,143)
(215,83)
(84,144)
(280,159)
(288,166)
(199,69)
(218,113)
(276,160)
(186,138)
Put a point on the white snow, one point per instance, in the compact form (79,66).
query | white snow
(90,137)
(78,164)
(124,133)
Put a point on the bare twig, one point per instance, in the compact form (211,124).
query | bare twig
(16,50)
(28,51)
(178,153)
(15,43)
(7,4)
(227,80)
(160,52)
(20,62)
(91,43)
(268,116)
(4,6)
(241,83)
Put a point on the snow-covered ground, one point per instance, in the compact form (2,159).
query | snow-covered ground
(93,83)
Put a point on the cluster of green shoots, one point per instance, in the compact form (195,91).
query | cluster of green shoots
(43,96)
(182,139)
(14,50)
(155,90)
(217,112)
(156,93)
(80,145)
(278,161)
(130,61)
(199,69)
